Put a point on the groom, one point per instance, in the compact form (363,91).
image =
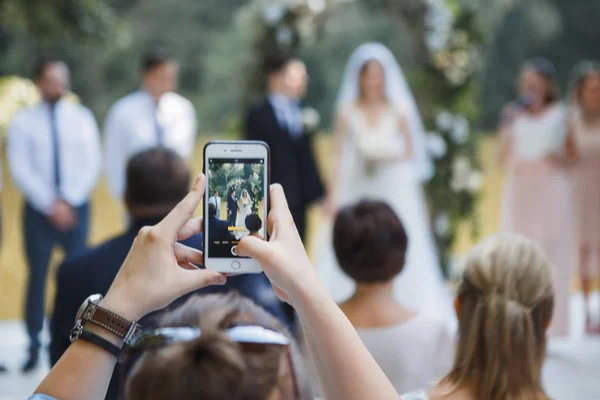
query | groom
(232,207)
(278,121)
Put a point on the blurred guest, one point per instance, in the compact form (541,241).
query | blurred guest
(370,244)
(278,121)
(216,201)
(538,191)
(151,116)
(254,225)
(54,159)
(217,229)
(232,207)
(157,179)
(585,134)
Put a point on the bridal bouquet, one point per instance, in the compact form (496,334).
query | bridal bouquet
(374,149)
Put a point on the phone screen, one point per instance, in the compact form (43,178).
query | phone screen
(236,203)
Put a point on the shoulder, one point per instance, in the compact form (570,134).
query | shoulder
(23,116)
(178,100)
(79,110)
(126,103)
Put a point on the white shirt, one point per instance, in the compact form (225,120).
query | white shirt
(131,127)
(288,113)
(30,149)
(540,136)
(216,201)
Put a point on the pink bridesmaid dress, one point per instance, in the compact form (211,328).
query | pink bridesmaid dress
(537,200)
(587,192)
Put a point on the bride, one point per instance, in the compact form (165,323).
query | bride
(380,154)
(245,207)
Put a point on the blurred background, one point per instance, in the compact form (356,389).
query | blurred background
(461,58)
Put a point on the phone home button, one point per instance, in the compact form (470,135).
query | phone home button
(235,265)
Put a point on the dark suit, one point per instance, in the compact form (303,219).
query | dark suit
(232,209)
(218,229)
(94,270)
(292,162)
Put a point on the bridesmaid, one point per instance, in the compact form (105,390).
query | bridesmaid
(537,189)
(584,121)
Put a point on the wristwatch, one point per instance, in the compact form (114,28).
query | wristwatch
(91,312)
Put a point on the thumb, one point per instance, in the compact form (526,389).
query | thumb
(197,279)
(254,247)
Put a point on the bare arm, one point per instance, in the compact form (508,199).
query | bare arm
(149,279)
(345,366)
(408,143)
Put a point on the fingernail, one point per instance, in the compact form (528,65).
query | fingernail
(220,280)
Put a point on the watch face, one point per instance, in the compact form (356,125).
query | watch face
(95,298)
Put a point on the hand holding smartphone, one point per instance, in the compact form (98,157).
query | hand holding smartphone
(236,202)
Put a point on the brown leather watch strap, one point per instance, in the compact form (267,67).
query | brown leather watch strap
(109,321)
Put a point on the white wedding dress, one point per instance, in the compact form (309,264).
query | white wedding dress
(245,210)
(420,286)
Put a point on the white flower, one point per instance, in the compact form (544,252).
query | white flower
(273,13)
(461,173)
(475,182)
(310,118)
(284,35)
(460,130)
(317,6)
(436,145)
(442,224)
(444,120)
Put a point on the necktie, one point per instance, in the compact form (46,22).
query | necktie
(294,120)
(160,134)
(55,147)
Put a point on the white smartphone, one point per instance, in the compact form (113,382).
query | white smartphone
(236,202)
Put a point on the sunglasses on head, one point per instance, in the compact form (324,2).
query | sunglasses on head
(246,334)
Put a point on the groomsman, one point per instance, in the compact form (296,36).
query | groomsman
(278,121)
(54,159)
(216,201)
(152,116)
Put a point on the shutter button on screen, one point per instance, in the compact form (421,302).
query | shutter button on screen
(235,265)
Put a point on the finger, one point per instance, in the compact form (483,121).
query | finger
(254,247)
(278,199)
(191,228)
(183,211)
(188,265)
(197,279)
(185,254)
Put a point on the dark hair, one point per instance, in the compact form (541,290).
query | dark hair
(157,176)
(213,367)
(276,62)
(370,242)
(41,64)
(545,68)
(579,76)
(253,223)
(212,210)
(155,58)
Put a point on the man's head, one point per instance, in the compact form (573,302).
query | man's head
(370,242)
(295,79)
(51,76)
(216,193)
(232,193)
(157,179)
(160,73)
(275,69)
(253,223)
(212,211)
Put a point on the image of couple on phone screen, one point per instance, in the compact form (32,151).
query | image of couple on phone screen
(241,211)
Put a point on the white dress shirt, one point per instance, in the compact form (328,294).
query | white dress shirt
(288,113)
(216,201)
(131,127)
(31,154)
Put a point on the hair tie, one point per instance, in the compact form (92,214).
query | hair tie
(509,301)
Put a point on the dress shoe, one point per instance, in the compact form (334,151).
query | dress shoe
(32,362)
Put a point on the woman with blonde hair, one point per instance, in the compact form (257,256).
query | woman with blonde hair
(504,306)
(584,132)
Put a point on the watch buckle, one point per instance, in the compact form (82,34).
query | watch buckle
(76,331)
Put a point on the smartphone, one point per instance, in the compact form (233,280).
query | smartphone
(236,202)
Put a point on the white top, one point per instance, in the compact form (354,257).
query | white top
(131,127)
(587,139)
(420,395)
(414,354)
(216,201)
(536,137)
(31,154)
